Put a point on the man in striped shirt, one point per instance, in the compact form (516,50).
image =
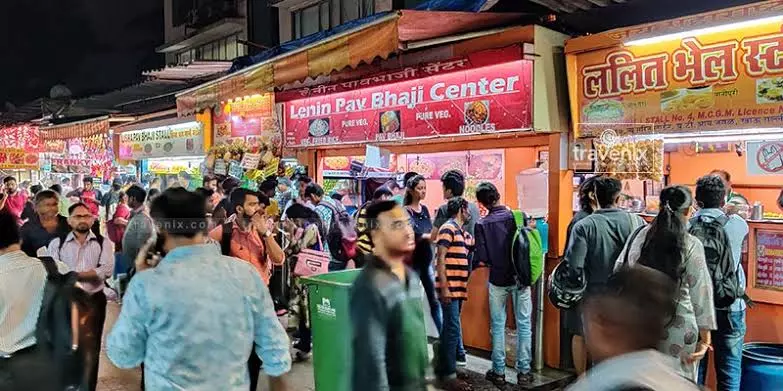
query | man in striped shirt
(452,285)
(22,283)
(92,257)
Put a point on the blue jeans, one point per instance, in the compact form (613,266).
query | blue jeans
(727,341)
(450,338)
(121,265)
(523,307)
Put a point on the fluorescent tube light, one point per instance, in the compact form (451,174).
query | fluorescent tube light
(703,31)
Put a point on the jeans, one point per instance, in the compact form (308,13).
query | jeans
(450,337)
(428,282)
(523,305)
(727,341)
(92,316)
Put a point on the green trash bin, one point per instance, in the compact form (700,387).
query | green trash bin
(330,321)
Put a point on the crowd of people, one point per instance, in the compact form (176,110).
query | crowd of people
(205,276)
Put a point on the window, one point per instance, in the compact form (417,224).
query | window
(225,49)
(326,14)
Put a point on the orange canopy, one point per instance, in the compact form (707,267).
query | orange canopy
(380,38)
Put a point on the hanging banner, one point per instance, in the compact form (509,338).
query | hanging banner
(488,99)
(764,157)
(175,140)
(245,119)
(18,159)
(23,137)
(715,81)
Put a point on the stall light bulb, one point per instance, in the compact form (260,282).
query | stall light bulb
(704,31)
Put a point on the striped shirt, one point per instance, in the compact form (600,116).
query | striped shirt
(363,242)
(22,282)
(85,257)
(456,241)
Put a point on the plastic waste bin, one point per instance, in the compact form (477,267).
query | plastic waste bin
(762,367)
(330,322)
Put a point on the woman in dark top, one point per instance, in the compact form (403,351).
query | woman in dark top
(415,192)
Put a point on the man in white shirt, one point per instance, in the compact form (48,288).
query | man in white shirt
(22,283)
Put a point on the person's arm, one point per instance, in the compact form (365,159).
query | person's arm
(440,219)
(700,288)
(576,253)
(369,321)
(445,238)
(105,267)
(481,254)
(271,340)
(139,231)
(126,344)
(54,249)
(2,200)
(273,250)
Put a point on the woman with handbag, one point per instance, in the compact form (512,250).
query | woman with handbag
(307,258)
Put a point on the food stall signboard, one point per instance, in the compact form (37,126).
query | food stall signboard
(23,137)
(166,141)
(715,81)
(244,118)
(765,157)
(769,259)
(488,99)
(18,159)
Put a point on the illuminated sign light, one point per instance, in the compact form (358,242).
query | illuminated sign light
(703,31)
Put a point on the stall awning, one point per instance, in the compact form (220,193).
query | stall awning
(85,128)
(373,37)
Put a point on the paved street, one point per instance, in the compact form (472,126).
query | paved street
(300,378)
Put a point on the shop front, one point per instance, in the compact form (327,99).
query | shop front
(472,113)
(171,150)
(19,152)
(709,98)
(77,150)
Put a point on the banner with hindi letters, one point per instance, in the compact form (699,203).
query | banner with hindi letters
(716,81)
(461,96)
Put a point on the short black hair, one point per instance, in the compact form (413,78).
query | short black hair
(137,193)
(56,188)
(207,179)
(606,190)
(375,209)
(268,185)
(152,193)
(487,194)
(9,230)
(722,173)
(229,184)
(381,192)
(179,212)
(454,205)
(314,189)
(116,186)
(9,179)
(75,206)
(239,195)
(455,181)
(34,189)
(304,179)
(206,193)
(710,191)
(87,179)
(45,195)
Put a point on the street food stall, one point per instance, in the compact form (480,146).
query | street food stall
(165,148)
(709,89)
(78,149)
(19,152)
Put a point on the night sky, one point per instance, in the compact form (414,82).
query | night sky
(88,45)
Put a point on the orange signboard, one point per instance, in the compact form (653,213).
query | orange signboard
(722,80)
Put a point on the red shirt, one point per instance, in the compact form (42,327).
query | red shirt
(15,203)
(247,246)
(123,211)
(87,197)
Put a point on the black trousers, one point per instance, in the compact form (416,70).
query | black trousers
(92,315)
(254,367)
(29,370)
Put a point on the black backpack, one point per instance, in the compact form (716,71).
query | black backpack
(717,251)
(341,236)
(53,331)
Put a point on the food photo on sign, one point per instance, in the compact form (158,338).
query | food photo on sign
(491,98)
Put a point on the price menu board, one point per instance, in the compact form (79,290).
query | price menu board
(769,259)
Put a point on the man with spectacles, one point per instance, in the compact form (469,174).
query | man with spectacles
(389,340)
(92,257)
